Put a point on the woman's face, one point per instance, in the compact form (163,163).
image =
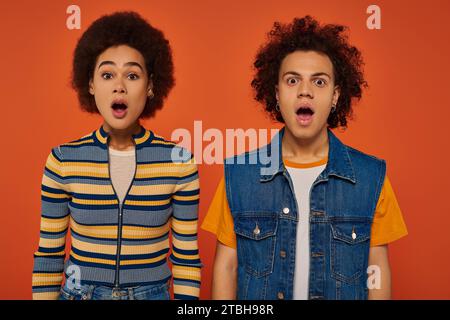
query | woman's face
(120,86)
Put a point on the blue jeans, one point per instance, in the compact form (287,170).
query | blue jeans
(95,292)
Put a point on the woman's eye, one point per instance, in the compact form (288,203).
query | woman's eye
(320,82)
(292,81)
(106,75)
(133,76)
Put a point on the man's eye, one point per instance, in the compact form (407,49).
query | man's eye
(320,82)
(133,76)
(106,75)
(292,81)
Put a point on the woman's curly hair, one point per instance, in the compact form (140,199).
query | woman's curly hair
(123,28)
(306,34)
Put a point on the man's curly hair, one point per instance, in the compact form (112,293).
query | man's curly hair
(123,28)
(306,34)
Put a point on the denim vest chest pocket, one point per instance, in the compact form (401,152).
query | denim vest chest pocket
(256,238)
(349,247)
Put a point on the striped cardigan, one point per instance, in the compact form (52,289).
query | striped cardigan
(112,244)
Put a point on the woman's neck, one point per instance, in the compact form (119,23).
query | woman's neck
(305,150)
(122,139)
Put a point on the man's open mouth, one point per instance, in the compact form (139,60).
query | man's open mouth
(304,115)
(305,111)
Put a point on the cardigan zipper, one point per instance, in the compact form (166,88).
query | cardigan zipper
(120,213)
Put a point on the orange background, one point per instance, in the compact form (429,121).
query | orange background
(402,118)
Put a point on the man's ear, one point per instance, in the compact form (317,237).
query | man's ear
(336,94)
(91,87)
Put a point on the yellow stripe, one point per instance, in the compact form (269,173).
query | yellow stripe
(77,143)
(109,232)
(186,198)
(87,164)
(142,261)
(45,254)
(93,260)
(54,195)
(94,202)
(54,295)
(186,290)
(185,245)
(144,138)
(147,203)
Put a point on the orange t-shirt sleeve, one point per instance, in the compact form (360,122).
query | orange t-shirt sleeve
(388,224)
(218,219)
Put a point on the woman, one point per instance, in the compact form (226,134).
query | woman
(119,189)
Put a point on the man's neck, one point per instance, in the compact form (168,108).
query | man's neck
(305,150)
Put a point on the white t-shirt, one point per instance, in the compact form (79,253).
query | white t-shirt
(303,176)
(122,166)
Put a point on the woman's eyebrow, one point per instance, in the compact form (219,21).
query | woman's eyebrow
(128,64)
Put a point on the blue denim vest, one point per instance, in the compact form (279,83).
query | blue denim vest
(264,208)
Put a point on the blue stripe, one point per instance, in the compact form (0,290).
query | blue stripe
(185,262)
(186,252)
(186,280)
(185,202)
(55,155)
(52,190)
(55,200)
(149,197)
(51,250)
(92,264)
(62,233)
(147,208)
(122,257)
(94,206)
(145,265)
(87,161)
(56,287)
(188,193)
(94,196)
(184,297)
(184,235)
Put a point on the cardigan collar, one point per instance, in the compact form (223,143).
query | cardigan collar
(101,136)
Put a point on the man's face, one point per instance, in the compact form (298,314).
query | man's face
(120,86)
(306,92)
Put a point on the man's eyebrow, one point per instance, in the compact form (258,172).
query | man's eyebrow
(313,75)
(128,64)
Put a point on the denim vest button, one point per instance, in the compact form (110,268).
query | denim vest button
(256,231)
(286,210)
(280,295)
(283,254)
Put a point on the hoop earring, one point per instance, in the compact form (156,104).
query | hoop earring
(277,107)
(150,94)
(333,108)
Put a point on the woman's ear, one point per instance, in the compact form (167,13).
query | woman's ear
(91,87)
(276,92)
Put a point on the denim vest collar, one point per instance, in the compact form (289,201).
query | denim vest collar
(338,165)
(101,137)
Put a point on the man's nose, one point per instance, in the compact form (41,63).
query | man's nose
(304,89)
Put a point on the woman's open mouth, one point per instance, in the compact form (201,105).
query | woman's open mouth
(119,109)
(304,115)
